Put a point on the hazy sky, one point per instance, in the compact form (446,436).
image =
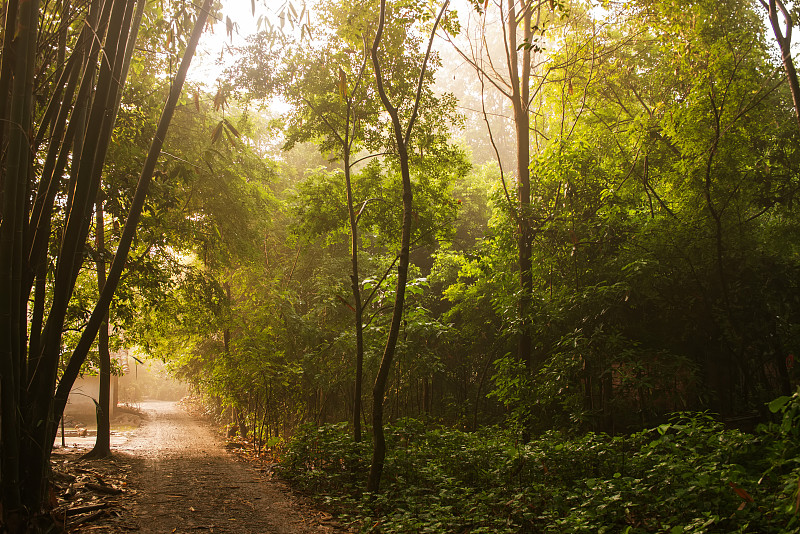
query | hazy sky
(205,67)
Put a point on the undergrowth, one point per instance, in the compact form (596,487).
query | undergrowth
(689,475)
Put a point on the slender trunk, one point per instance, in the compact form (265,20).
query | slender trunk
(102,448)
(379,388)
(520,85)
(9,359)
(6,76)
(402,139)
(478,393)
(354,280)
(226,332)
(785,44)
(102,445)
(37,318)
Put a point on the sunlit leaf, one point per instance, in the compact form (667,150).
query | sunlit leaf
(231,128)
(217,133)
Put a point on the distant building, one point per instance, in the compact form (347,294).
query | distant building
(85,391)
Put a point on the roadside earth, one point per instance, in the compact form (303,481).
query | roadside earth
(174,475)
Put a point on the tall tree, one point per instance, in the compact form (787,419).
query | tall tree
(523,24)
(402,137)
(337,110)
(784,38)
(102,447)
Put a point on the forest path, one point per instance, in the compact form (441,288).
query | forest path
(185,481)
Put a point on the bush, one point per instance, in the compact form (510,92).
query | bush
(688,475)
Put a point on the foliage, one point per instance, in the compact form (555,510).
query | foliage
(688,475)
(663,226)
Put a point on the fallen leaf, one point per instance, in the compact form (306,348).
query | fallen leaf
(740,492)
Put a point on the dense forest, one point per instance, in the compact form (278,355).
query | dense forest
(501,266)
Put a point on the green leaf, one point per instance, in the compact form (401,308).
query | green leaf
(776,405)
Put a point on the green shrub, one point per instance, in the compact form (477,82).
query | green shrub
(324,459)
(690,475)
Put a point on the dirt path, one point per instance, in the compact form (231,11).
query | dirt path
(183,480)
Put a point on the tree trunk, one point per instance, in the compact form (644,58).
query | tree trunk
(402,140)
(355,285)
(6,75)
(15,180)
(520,93)
(102,445)
(785,44)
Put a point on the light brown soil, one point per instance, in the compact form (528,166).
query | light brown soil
(181,479)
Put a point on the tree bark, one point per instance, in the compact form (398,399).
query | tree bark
(15,180)
(102,444)
(520,94)
(785,44)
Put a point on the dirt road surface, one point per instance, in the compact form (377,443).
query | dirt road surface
(182,480)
